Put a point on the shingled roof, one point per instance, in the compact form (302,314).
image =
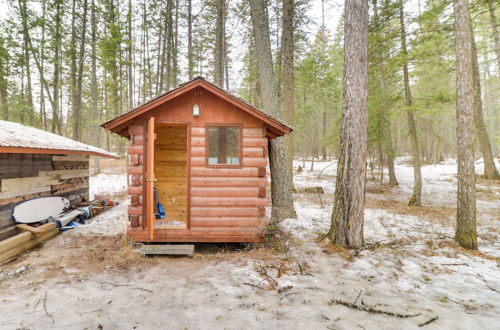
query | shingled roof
(274,124)
(18,138)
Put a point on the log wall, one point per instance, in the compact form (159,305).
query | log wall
(226,204)
(136,175)
(28,176)
(228,198)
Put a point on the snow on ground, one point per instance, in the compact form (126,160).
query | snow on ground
(410,265)
(112,221)
(109,185)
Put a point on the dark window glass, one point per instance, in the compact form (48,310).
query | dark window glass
(223,145)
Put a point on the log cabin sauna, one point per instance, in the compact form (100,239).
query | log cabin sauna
(204,151)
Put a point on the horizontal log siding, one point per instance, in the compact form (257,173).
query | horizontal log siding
(225,202)
(136,175)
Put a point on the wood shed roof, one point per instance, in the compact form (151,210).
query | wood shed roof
(18,138)
(273,124)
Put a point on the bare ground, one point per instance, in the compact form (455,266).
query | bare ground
(410,266)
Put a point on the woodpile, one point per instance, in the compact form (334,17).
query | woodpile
(28,176)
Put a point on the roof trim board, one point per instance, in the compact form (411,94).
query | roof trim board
(23,150)
(274,125)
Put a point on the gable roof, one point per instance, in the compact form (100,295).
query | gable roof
(18,138)
(273,124)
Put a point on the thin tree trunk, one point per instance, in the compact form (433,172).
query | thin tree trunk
(219,44)
(490,170)
(93,85)
(56,121)
(496,36)
(415,199)
(42,81)
(168,32)
(175,37)
(465,234)
(288,77)
(281,187)
(79,77)
(393,181)
(26,60)
(4,73)
(147,62)
(348,210)
(130,63)
(190,40)
(323,136)
(162,51)
(387,127)
(72,52)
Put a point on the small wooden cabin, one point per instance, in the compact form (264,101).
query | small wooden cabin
(205,152)
(36,163)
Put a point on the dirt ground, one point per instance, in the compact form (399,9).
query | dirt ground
(410,270)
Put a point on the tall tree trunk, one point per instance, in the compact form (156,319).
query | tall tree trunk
(496,36)
(349,203)
(96,112)
(175,42)
(323,135)
(72,81)
(190,40)
(393,181)
(79,77)
(168,77)
(43,113)
(162,53)
(415,199)
(219,44)
(281,187)
(465,233)
(56,121)
(130,60)
(287,45)
(4,73)
(26,61)
(490,170)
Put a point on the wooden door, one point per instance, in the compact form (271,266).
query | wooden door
(150,177)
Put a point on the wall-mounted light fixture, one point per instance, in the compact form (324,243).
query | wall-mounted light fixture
(196,110)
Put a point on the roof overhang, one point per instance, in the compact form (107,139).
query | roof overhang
(119,124)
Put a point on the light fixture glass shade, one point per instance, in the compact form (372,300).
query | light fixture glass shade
(196,110)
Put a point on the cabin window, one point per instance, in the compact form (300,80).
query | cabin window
(223,145)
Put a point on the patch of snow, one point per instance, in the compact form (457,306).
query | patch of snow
(107,185)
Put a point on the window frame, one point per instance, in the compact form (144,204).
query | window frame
(240,147)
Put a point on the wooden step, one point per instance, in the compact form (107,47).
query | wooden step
(167,249)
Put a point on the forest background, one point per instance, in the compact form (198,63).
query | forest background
(68,66)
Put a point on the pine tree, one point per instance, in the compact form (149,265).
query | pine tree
(348,209)
(465,234)
(281,186)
